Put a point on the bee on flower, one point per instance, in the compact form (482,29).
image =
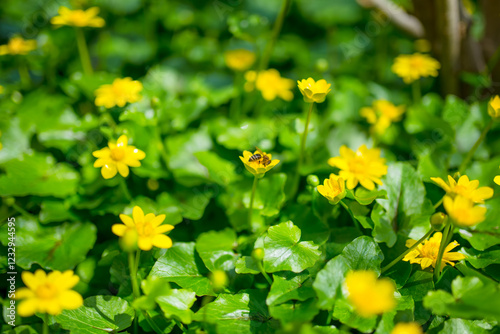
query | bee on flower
(48,293)
(369,296)
(239,59)
(270,84)
(365,166)
(78,18)
(382,114)
(426,253)
(146,230)
(413,67)
(117,158)
(258,162)
(119,93)
(18,46)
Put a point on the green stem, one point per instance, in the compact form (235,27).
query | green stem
(356,223)
(180,325)
(252,197)
(152,324)
(263,272)
(416,91)
(396,260)
(124,188)
(84,52)
(300,161)
(446,231)
(439,202)
(22,211)
(469,156)
(264,62)
(24,74)
(46,324)
(132,264)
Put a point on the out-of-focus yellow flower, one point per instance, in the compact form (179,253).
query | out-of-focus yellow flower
(118,93)
(118,157)
(382,114)
(149,228)
(369,296)
(407,328)
(427,252)
(78,18)
(314,91)
(239,59)
(219,279)
(333,189)
(415,66)
(270,84)
(48,293)
(18,46)
(364,166)
(463,212)
(258,163)
(494,107)
(497,179)
(465,188)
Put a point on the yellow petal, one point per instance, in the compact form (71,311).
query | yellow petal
(138,214)
(108,170)
(164,228)
(158,220)
(70,300)
(122,169)
(145,243)
(119,229)
(127,220)
(162,241)
(27,307)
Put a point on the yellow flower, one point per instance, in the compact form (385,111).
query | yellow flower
(118,93)
(314,91)
(426,253)
(333,189)
(364,166)
(465,188)
(78,18)
(369,296)
(270,83)
(415,66)
(497,179)
(382,114)
(48,293)
(117,157)
(149,228)
(463,212)
(18,46)
(219,279)
(407,328)
(260,163)
(494,107)
(239,60)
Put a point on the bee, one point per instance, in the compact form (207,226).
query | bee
(260,157)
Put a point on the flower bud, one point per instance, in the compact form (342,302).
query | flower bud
(312,180)
(219,279)
(153,184)
(438,221)
(494,108)
(155,102)
(258,254)
(129,240)
(10,201)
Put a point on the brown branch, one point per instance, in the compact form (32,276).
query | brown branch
(397,15)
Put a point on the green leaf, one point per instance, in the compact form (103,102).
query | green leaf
(247,265)
(181,265)
(346,315)
(270,194)
(382,230)
(242,313)
(472,298)
(295,311)
(290,286)
(363,253)
(97,315)
(177,304)
(220,170)
(153,287)
(283,251)
(59,248)
(366,197)
(38,174)
(55,211)
(418,285)
(216,249)
(480,259)
(453,326)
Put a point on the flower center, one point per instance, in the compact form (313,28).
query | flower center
(461,190)
(357,166)
(46,291)
(78,18)
(117,154)
(16,45)
(430,250)
(145,229)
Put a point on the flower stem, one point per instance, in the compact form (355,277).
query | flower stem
(264,61)
(356,223)
(263,272)
(416,91)
(396,260)
(124,188)
(444,241)
(439,202)
(84,52)
(24,73)
(46,324)
(25,213)
(296,180)
(132,264)
(469,156)
(252,197)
